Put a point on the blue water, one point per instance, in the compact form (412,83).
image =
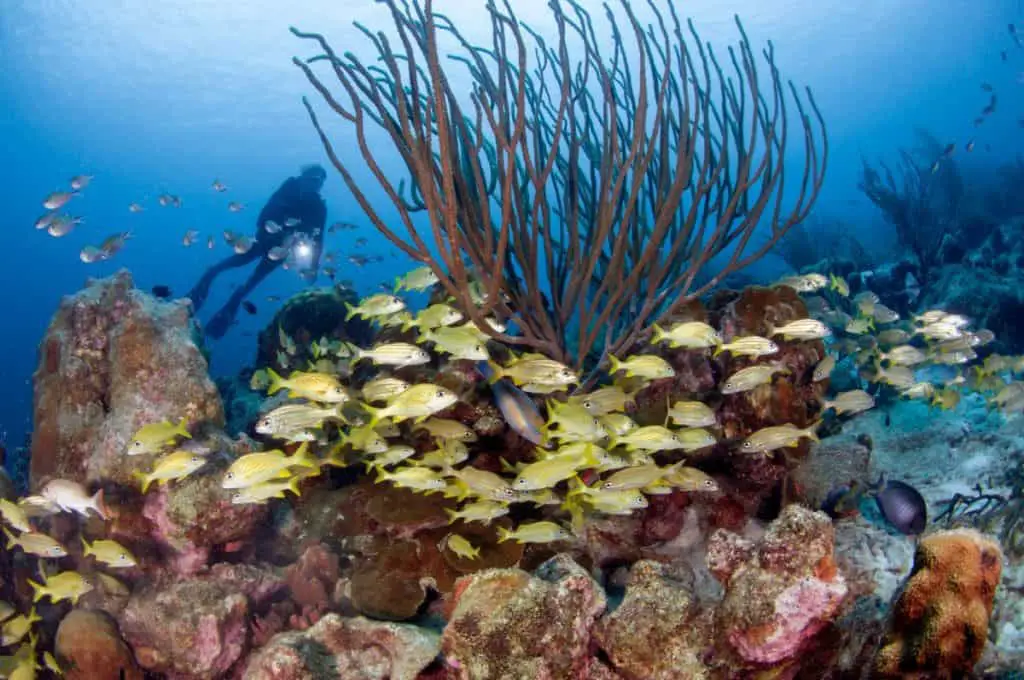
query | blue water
(168,96)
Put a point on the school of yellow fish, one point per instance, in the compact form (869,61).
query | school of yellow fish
(591,456)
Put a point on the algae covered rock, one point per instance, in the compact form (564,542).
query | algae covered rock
(659,606)
(508,623)
(114,359)
(196,627)
(352,648)
(89,647)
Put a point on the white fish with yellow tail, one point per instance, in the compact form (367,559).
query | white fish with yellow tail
(688,334)
(66,585)
(418,402)
(652,438)
(478,511)
(14,515)
(154,437)
(645,366)
(374,306)
(750,377)
(291,418)
(919,390)
(804,283)
(692,414)
(363,438)
(174,466)
(35,543)
(459,546)
(313,386)
(535,532)
(110,553)
(383,389)
(616,502)
(778,436)
(801,329)
(71,496)
(263,466)
(534,370)
(617,424)
(418,279)
(904,355)
(839,285)
(751,346)
(397,354)
(860,326)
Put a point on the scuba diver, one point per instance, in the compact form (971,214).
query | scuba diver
(295,210)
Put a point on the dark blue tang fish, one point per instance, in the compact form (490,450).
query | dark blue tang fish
(902,505)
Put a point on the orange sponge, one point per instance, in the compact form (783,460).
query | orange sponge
(939,623)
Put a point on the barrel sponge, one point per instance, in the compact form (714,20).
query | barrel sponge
(939,623)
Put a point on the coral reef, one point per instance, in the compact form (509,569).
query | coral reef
(507,623)
(940,620)
(780,591)
(196,627)
(659,606)
(114,359)
(89,647)
(355,648)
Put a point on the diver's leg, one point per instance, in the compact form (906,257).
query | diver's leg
(201,290)
(221,321)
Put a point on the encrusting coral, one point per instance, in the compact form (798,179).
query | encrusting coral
(940,620)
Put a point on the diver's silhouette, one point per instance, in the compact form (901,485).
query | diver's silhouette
(297,199)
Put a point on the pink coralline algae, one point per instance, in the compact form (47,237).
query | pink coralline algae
(507,623)
(351,648)
(195,515)
(114,359)
(196,628)
(780,591)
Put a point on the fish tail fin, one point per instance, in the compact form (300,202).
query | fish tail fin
(614,364)
(304,457)
(719,348)
(10,538)
(350,311)
(276,381)
(506,466)
(182,429)
(99,504)
(382,475)
(39,588)
(496,372)
(503,534)
(375,415)
(293,485)
(142,478)
(658,335)
(453,515)
(86,548)
(811,430)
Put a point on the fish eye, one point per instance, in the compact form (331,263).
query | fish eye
(230,475)
(440,393)
(606,485)
(137,443)
(123,557)
(521,482)
(587,404)
(195,459)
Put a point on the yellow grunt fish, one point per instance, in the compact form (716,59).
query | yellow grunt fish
(418,279)
(778,436)
(14,515)
(35,543)
(751,346)
(460,546)
(173,466)
(110,553)
(692,414)
(750,377)
(263,466)
(478,511)
(689,334)
(534,370)
(313,386)
(417,478)
(419,402)
(383,389)
(154,437)
(263,492)
(67,585)
(397,354)
(646,366)
(534,532)
(380,304)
